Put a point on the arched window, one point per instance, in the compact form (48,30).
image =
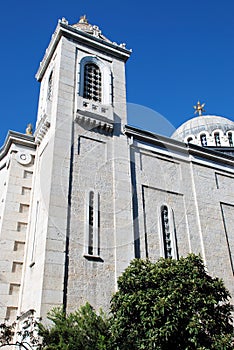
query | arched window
(230,139)
(166,232)
(95,80)
(92,82)
(190,139)
(203,139)
(217,139)
(49,89)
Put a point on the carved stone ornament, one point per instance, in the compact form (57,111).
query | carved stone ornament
(23,158)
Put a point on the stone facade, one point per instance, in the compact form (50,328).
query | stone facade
(16,173)
(87,193)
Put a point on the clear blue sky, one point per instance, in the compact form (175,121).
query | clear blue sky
(182,51)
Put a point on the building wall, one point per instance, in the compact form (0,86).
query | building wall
(16,183)
(97,184)
(199,192)
(74,158)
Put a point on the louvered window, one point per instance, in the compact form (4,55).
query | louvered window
(92,82)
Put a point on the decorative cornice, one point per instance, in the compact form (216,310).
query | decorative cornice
(18,138)
(178,146)
(93,123)
(66,30)
(42,129)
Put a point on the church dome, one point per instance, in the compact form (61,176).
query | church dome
(213,130)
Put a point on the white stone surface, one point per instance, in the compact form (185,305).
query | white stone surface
(44,205)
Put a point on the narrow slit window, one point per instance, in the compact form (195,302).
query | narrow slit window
(167,243)
(91,222)
(217,139)
(203,140)
(93,225)
(230,139)
(50,84)
(92,82)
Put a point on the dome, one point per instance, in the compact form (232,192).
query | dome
(204,123)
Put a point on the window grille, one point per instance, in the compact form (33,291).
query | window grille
(91,222)
(93,225)
(92,82)
(166,232)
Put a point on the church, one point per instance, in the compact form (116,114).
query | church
(86,193)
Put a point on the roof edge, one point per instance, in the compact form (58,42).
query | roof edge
(179,146)
(16,137)
(64,29)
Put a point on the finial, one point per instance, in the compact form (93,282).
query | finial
(29,129)
(199,108)
(63,20)
(83,19)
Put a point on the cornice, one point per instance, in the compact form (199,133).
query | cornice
(18,138)
(177,146)
(42,128)
(64,29)
(94,123)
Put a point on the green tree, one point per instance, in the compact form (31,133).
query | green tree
(171,304)
(80,330)
(21,334)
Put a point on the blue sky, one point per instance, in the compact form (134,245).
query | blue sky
(182,51)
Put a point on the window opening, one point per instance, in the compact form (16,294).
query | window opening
(166,232)
(91,222)
(50,83)
(217,139)
(230,139)
(190,139)
(203,140)
(92,82)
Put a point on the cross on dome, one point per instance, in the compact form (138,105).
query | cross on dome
(199,108)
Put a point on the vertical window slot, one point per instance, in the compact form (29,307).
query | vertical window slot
(93,225)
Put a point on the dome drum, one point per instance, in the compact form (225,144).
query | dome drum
(211,131)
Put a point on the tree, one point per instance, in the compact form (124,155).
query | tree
(171,304)
(22,333)
(167,305)
(80,330)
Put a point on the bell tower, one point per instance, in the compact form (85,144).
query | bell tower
(82,68)
(78,241)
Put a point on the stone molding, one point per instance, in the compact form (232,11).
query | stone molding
(64,29)
(42,128)
(92,123)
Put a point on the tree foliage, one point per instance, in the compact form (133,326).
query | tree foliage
(171,304)
(22,334)
(81,330)
(167,305)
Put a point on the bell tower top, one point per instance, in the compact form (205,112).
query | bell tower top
(88,28)
(83,19)
(84,32)
(82,71)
